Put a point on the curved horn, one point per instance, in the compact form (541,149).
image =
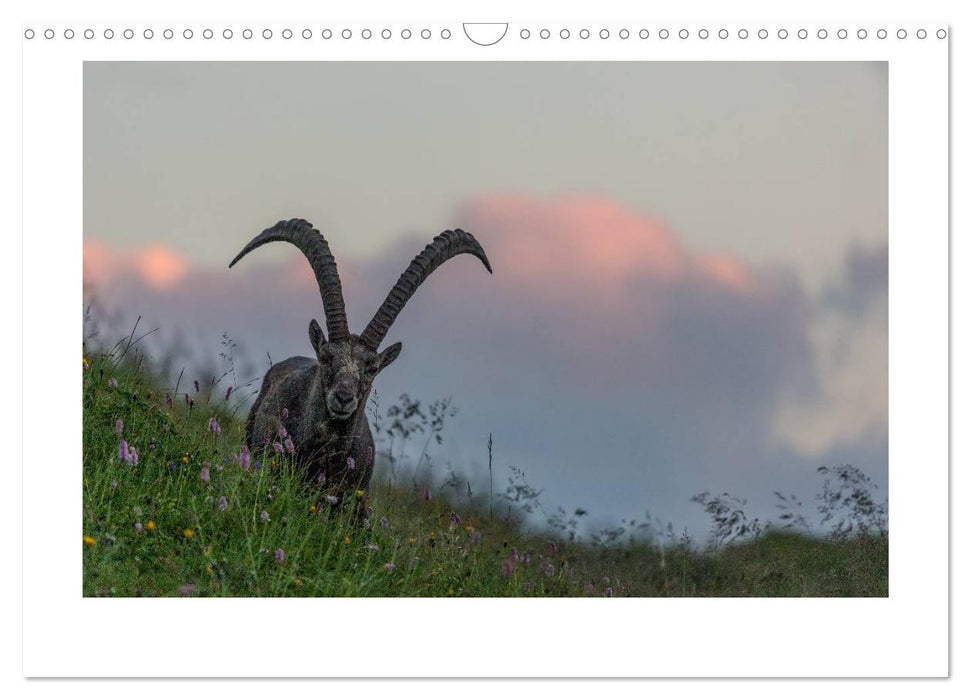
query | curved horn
(445,245)
(312,244)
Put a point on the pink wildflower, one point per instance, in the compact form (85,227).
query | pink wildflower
(119,427)
(282,431)
(204,475)
(331,499)
(507,568)
(214,426)
(321,478)
(278,448)
(133,456)
(279,555)
(188,589)
(243,457)
(351,464)
(265,517)
(223,503)
(288,444)
(123,450)
(285,413)
(389,566)
(454,518)
(138,527)
(113,383)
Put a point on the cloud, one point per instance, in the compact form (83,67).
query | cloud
(616,366)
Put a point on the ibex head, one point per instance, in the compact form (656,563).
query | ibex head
(349,363)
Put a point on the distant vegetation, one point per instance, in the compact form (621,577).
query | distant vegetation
(174,505)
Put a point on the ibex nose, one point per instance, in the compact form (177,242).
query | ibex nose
(343,396)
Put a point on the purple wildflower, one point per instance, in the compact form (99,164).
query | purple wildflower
(285,413)
(243,457)
(138,527)
(278,448)
(123,450)
(204,474)
(384,523)
(279,555)
(113,383)
(351,464)
(265,517)
(196,383)
(389,566)
(454,518)
(288,444)
(188,589)
(282,431)
(214,426)
(133,456)
(223,503)
(527,587)
(228,392)
(321,478)
(507,568)
(331,499)
(608,593)
(258,464)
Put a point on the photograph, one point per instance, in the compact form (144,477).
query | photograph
(485,329)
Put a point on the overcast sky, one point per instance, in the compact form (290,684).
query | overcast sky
(690,258)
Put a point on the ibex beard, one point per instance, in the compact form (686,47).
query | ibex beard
(317,407)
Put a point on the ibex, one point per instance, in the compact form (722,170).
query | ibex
(319,404)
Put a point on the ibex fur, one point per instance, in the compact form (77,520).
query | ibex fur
(319,403)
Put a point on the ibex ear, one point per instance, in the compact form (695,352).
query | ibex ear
(317,338)
(389,355)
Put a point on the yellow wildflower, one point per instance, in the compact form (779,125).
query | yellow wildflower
(86,363)
(347,540)
(411,540)
(185,459)
(360,493)
(297,582)
(451,591)
(188,533)
(468,528)
(150,525)
(88,540)
(313,509)
(431,535)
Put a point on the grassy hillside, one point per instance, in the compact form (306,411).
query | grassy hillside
(171,507)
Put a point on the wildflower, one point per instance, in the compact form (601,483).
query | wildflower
(188,401)
(331,499)
(243,457)
(384,523)
(285,413)
(451,591)
(150,525)
(172,466)
(313,509)
(258,464)
(279,555)
(372,547)
(282,431)
(527,587)
(369,455)
(454,518)
(188,589)
(114,484)
(468,528)
(88,540)
(185,459)
(347,540)
(138,527)
(507,568)
(411,540)
(278,448)
(608,593)
(119,427)
(86,363)
(123,450)
(297,582)
(214,427)
(168,400)
(265,517)
(133,456)
(426,495)
(288,444)
(476,537)
(431,535)
(351,464)
(360,493)
(321,478)
(196,382)
(228,392)
(204,474)
(273,462)
(389,566)
(552,545)
(188,532)
(223,503)
(113,383)
(548,569)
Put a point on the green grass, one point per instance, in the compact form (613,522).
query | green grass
(157,529)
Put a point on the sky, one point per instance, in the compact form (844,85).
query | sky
(690,288)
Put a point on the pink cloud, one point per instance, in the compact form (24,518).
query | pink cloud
(157,266)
